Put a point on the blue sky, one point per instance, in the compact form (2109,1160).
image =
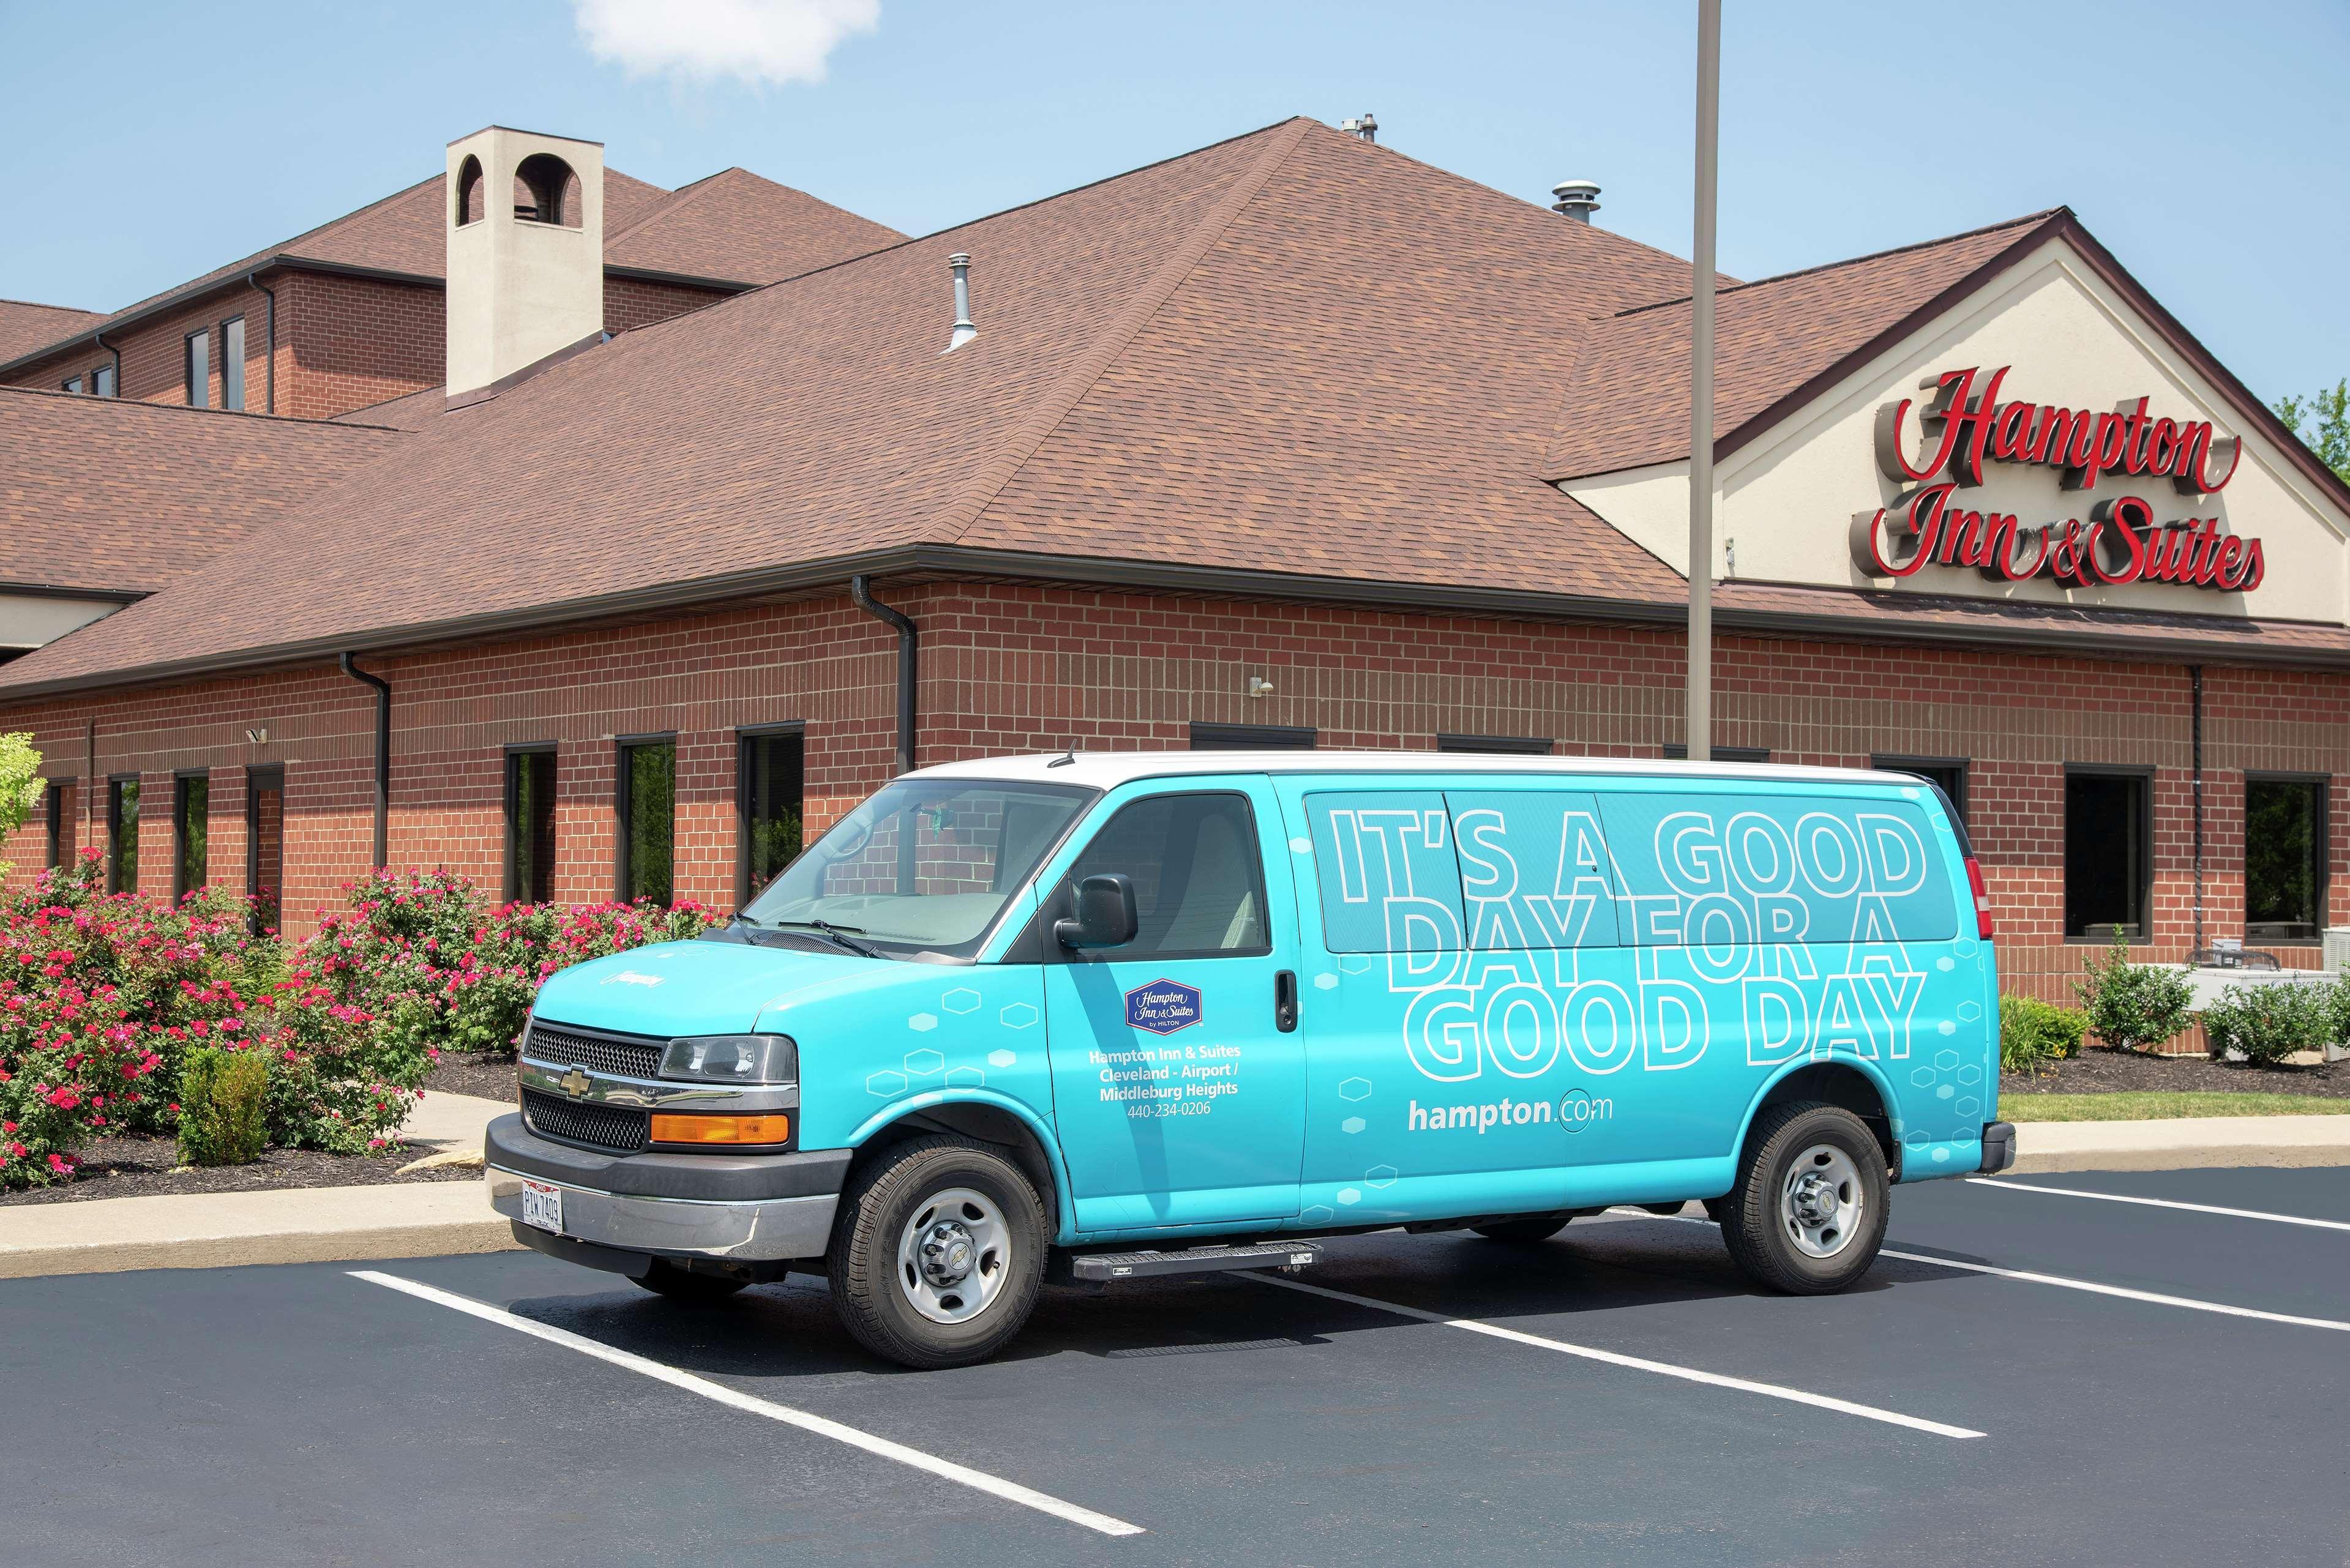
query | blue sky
(2204,145)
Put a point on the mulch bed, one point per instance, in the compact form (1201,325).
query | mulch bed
(487,1077)
(2099,1071)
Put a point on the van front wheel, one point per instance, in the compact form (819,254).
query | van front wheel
(1808,1213)
(938,1253)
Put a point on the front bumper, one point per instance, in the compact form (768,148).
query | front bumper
(751,1209)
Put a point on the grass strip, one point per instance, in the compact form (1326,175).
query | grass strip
(2127,1105)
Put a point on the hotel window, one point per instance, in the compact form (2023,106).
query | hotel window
(1674,752)
(769,771)
(2284,858)
(1251,738)
(191,798)
(2109,852)
(1947,774)
(1497,746)
(196,367)
(647,808)
(264,845)
(232,363)
(73,383)
(530,824)
(122,834)
(60,809)
(101,380)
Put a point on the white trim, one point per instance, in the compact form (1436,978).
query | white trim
(2162,1203)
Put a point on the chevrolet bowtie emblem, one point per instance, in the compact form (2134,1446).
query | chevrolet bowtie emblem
(575,1083)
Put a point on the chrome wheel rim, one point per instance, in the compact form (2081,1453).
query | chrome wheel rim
(1820,1202)
(954,1255)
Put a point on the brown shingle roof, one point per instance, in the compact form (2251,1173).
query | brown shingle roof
(738,226)
(1626,403)
(1291,351)
(24,326)
(122,497)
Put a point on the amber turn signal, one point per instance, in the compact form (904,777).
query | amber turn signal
(721,1129)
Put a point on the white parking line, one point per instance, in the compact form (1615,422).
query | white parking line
(2092,1287)
(979,1480)
(1638,1364)
(2161,1203)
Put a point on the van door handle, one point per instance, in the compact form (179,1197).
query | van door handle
(1285,999)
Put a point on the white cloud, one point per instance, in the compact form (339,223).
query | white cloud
(756,40)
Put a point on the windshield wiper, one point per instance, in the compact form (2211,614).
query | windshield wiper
(837,935)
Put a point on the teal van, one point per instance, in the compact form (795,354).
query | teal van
(1092,1018)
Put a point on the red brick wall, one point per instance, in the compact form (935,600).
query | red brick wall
(633,302)
(1008,668)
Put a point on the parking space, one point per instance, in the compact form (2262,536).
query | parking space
(1578,1401)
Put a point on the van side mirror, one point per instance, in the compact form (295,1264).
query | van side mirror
(1105,915)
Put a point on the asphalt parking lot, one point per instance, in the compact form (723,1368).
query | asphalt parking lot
(2152,1382)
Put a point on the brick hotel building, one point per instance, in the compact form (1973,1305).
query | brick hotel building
(601,541)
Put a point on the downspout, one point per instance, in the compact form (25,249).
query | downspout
(2195,733)
(382,755)
(253,280)
(861,595)
(99,337)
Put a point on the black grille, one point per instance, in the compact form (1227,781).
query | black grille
(617,1054)
(614,1129)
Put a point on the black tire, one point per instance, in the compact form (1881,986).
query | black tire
(1756,1222)
(1520,1233)
(1717,1211)
(880,1205)
(683,1285)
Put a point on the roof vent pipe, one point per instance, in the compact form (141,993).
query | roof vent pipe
(963,330)
(1578,199)
(1366,128)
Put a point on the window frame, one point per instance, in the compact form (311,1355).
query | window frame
(101,374)
(2144,774)
(510,799)
(260,778)
(1058,904)
(114,782)
(624,808)
(226,358)
(2320,831)
(1496,746)
(199,392)
(1891,762)
(746,737)
(53,820)
(1206,735)
(71,384)
(181,778)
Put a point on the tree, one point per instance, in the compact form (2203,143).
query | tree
(2328,432)
(20,784)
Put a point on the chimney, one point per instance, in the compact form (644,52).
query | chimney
(1366,128)
(524,215)
(1578,199)
(960,265)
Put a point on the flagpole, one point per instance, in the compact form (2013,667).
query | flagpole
(1702,270)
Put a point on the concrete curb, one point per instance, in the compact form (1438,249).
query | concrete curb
(2185,1143)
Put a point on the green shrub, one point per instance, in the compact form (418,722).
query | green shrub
(224,1107)
(2133,1006)
(2270,1022)
(2032,1033)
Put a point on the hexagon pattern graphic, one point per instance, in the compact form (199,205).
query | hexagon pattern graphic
(965,1077)
(1325,981)
(923,1022)
(1354,964)
(1019,1015)
(886,1083)
(1348,1195)
(1001,1058)
(1317,1213)
(1353,1124)
(1355,1089)
(922,1063)
(962,999)
(1301,846)
(1381,1176)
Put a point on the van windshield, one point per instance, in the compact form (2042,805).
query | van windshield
(921,868)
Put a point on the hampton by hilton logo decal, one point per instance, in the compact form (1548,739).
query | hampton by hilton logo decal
(2120,541)
(1164,1006)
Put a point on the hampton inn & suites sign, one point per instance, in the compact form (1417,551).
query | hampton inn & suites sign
(2104,459)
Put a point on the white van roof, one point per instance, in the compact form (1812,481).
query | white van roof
(1106,770)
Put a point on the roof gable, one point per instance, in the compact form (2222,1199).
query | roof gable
(738,226)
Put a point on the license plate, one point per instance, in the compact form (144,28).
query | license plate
(542,1206)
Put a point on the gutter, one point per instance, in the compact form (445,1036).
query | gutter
(1150,577)
(253,280)
(909,639)
(99,337)
(382,755)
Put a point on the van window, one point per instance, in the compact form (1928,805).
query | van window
(1534,870)
(1720,870)
(1199,878)
(1390,877)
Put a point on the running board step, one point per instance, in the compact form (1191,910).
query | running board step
(1101,1267)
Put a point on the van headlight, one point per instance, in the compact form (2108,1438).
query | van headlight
(733,1059)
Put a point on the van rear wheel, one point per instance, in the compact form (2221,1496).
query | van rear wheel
(1809,1211)
(938,1253)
